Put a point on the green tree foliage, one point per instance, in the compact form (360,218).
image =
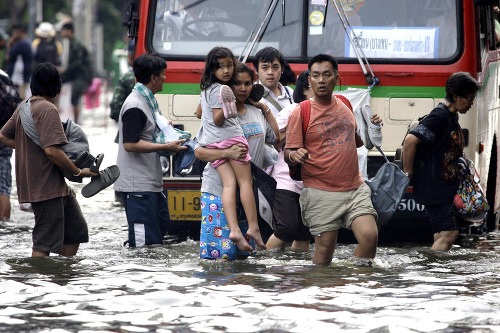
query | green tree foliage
(109,14)
(14,10)
(53,7)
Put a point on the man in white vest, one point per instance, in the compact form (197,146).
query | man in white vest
(140,178)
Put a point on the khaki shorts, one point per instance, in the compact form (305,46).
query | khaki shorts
(328,211)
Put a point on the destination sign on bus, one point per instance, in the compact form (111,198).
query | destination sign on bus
(395,42)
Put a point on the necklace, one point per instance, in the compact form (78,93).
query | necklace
(242,111)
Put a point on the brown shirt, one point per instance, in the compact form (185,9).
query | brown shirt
(333,160)
(37,177)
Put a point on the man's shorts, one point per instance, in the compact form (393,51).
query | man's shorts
(147,216)
(443,217)
(5,176)
(328,211)
(77,90)
(58,221)
(214,232)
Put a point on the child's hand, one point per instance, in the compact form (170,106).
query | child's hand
(376,120)
(198,111)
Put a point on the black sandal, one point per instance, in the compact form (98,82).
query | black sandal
(105,179)
(97,163)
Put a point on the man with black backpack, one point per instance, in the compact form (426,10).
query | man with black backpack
(46,47)
(9,98)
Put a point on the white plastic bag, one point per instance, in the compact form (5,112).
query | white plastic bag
(168,131)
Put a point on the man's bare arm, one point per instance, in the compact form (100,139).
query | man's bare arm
(149,147)
(235,152)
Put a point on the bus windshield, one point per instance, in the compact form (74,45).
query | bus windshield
(423,30)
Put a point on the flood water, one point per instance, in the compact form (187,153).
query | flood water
(110,288)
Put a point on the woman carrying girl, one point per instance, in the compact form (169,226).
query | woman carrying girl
(261,130)
(220,130)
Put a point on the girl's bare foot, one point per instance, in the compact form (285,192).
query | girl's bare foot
(240,241)
(255,234)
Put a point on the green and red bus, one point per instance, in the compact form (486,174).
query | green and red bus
(402,51)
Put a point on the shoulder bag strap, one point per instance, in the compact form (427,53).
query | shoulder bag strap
(27,122)
(271,100)
(446,131)
(305,110)
(287,92)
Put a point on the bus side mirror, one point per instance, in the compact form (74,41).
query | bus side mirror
(130,17)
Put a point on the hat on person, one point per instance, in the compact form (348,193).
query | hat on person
(45,30)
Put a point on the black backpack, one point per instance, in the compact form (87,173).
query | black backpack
(398,157)
(9,99)
(47,52)
(418,164)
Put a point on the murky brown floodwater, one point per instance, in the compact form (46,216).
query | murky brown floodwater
(109,288)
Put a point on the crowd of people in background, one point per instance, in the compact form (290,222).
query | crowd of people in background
(19,55)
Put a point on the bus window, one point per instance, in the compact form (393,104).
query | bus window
(496,25)
(443,16)
(192,27)
(386,29)
(487,32)
(406,29)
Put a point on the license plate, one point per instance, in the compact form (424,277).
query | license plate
(184,205)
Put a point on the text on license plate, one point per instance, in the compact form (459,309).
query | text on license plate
(184,205)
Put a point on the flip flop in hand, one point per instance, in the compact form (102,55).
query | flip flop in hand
(105,179)
(226,97)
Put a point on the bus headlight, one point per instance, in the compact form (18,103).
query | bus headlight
(165,166)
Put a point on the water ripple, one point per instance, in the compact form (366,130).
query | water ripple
(110,288)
